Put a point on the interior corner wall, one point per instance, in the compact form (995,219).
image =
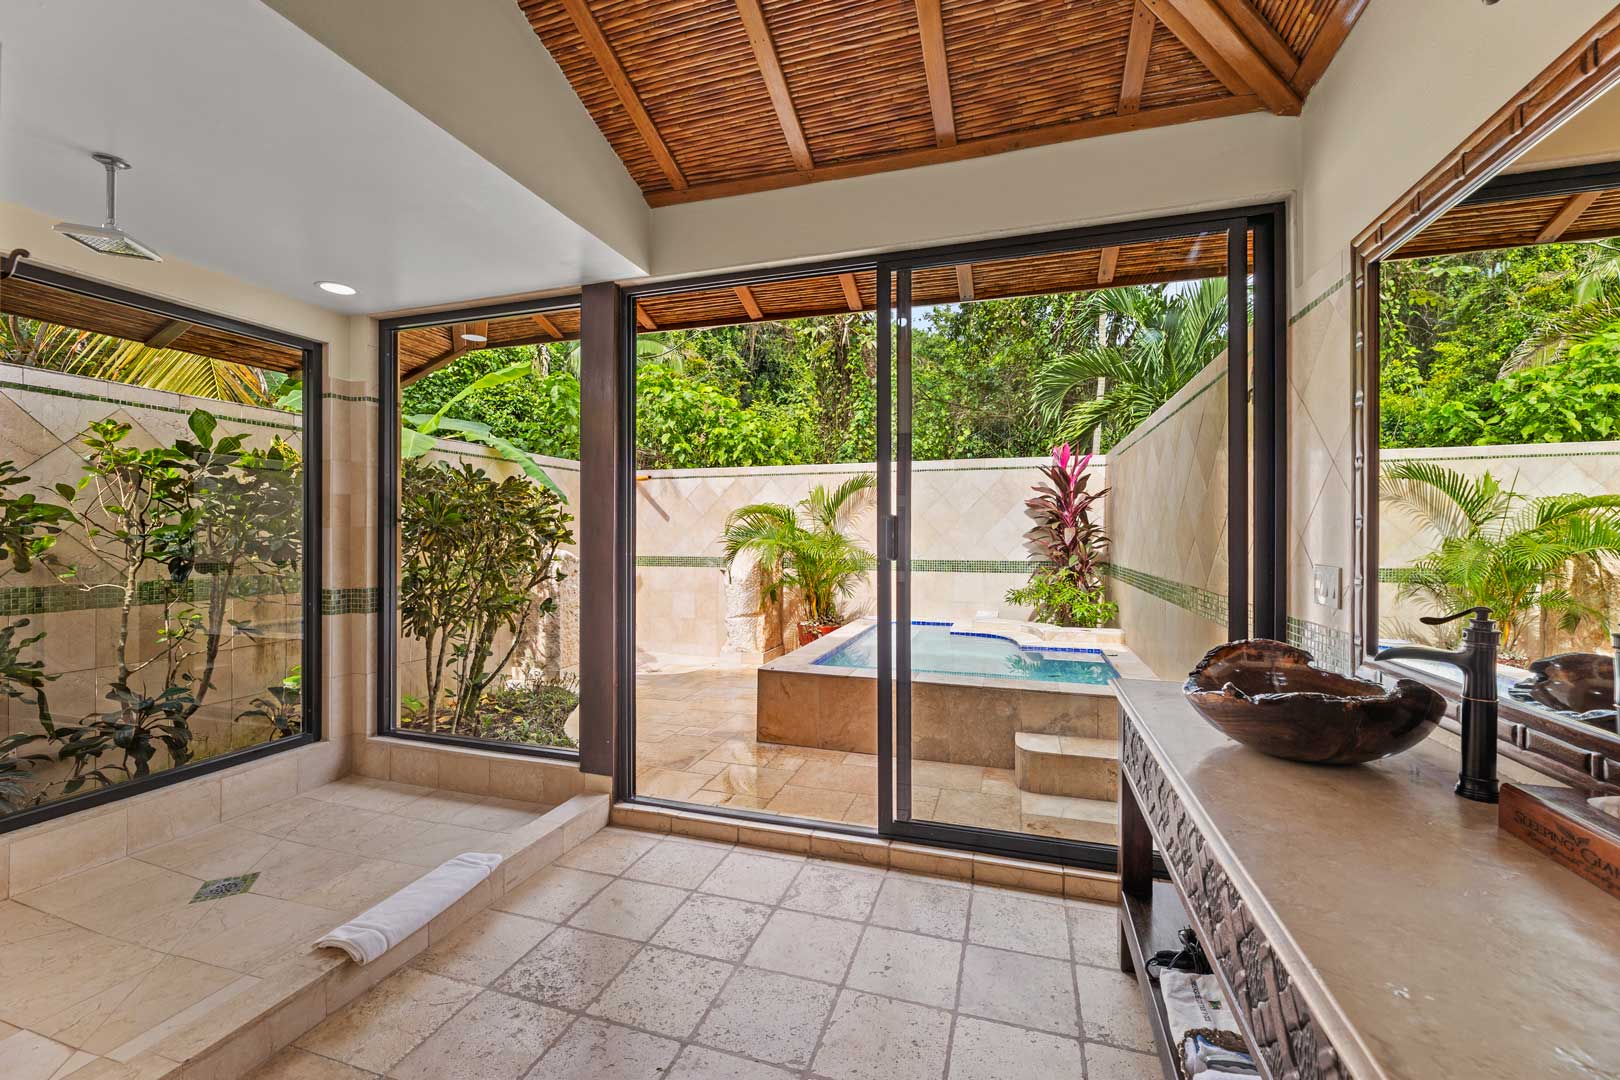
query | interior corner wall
(1233,161)
(475,68)
(349,398)
(1167,554)
(1412,81)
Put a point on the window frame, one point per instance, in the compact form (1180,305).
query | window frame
(311,607)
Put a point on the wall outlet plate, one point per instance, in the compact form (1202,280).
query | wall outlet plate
(1325,585)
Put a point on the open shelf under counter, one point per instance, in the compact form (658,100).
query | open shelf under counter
(1364,922)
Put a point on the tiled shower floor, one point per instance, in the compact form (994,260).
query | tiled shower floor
(109,961)
(649,956)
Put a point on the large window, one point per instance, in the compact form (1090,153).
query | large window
(155,469)
(482,553)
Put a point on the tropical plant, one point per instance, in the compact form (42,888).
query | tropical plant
(32,343)
(1064,534)
(1060,596)
(473,553)
(1596,311)
(806,550)
(283,710)
(417,437)
(1150,342)
(1526,558)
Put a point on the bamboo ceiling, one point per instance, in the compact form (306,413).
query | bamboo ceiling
(708,98)
(32,300)
(1541,219)
(1185,258)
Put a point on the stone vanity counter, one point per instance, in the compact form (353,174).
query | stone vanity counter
(1367,922)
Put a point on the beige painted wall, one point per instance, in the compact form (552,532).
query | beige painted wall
(1167,520)
(475,68)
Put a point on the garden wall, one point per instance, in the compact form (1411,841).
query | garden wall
(42,414)
(1167,523)
(967,540)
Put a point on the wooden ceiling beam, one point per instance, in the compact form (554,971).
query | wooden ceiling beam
(1136,59)
(608,61)
(644,320)
(770,68)
(168,334)
(1567,215)
(964,282)
(937,69)
(1107,265)
(852,291)
(750,305)
(547,325)
(1336,26)
(963,150)
(1262,35)
(1211,35)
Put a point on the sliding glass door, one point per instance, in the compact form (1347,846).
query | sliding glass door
(1070,486)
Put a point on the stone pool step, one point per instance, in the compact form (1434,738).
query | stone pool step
(1079,768)
(1095,821)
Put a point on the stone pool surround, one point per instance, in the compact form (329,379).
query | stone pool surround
(961,719)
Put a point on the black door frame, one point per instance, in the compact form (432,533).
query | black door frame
(1263,613)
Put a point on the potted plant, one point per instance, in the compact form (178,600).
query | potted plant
(804,551)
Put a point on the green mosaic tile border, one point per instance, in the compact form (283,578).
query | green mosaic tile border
(1319,301)
(1329,645)
(918,566)
(128,404)
(46,599)
(702,562)
(1201,602)
(361,399)
(362,600)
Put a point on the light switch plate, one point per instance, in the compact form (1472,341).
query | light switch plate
(1325,586)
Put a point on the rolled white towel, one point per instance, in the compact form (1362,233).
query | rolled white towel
(379,928)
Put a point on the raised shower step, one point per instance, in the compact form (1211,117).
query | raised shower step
(1078,768)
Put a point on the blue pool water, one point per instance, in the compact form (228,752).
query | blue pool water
(935,650)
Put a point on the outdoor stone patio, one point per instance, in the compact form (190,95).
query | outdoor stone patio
(695,743)
(638,955)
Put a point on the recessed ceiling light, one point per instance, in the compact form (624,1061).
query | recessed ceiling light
(336,287)
(473,337)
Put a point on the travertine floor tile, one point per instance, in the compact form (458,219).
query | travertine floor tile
(1111,1016)
(923,906)
(745,876)
(611,851)
(699,1063)
(910,966)
(26,1055)
(828,888)
(1094,933)
(807,802)
(630,909)
(809,946)
(594,1050)
(678,863)
(984,1050)
(1116,1064)
(1004,919)
(568,968)
(486,946)
(376,1031)
(713,926)
(1031,991)
(295,1064)
(494,1038)
(553,894)
(875,1038)
(762,1014)
(663,991)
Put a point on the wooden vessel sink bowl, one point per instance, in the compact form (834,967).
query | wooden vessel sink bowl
(1269,697)
(1580,683)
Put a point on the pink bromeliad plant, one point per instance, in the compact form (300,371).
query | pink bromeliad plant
(1065,588)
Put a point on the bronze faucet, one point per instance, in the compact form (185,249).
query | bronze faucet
(1477,659)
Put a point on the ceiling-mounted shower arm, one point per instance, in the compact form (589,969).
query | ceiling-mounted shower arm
(114,165)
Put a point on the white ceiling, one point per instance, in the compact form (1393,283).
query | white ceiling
(260,153)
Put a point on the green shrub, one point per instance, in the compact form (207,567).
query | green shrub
(1060,597)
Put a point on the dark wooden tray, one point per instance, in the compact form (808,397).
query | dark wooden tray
(1564,826)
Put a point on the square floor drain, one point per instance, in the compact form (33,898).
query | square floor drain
(220,888)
